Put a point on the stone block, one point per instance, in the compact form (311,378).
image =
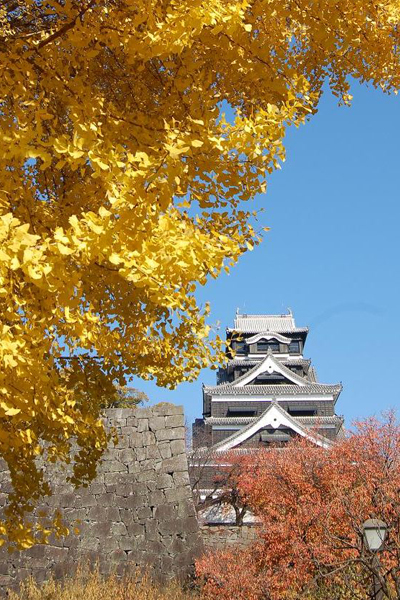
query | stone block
(151,463)
(143,425)
(151,486)
(22,574)
(174,421)
(123,439)
(118,529)
(97,488)
(176,433)
(181,478)
(167,540)
(165,450)
(85,501)
(165,512)
(190,525)
(126,456)
(157,497)
(148,438)
(163,435)
(140,453)
(178,447)
(119,414)
(135,530)
(126,543)
(170,526)
(186,508)
(176,494)
(36,551)
(135,557)
(155,547)
(151,529)
(146,475)
(89,543)
(64,500)
(126,516)
(134,468)
(131,502)
(55,554)
(101,513)
(136,440)
(109,544)
(164,480)
(99,530)
(176,463)
(115,466)
(124,489)
(156,423)
(167,409)
(131,421)
(110,454)
(106,500)
(144,412)
(167,565)
(117,556)
(178,546)
(115,478)
(152,451)
(144,512)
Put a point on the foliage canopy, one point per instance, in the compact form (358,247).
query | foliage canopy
(312,503)
(122,188)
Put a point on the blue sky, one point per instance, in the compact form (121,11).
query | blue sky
(332,255)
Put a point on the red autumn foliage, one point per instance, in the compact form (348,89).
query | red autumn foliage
(312,503)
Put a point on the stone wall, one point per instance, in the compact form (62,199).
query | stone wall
(226,536)
(138,512)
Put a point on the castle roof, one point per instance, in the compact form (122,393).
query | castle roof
(266,323)
(294,362)
(273,390)
(306,421)
(274,416)
(270,364)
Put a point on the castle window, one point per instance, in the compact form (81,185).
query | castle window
(240,347)
(294,347)
(302,413)
(262,346)
(241,411)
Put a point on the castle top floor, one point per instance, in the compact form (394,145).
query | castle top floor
(255,335)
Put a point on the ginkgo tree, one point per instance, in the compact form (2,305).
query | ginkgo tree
(123,187)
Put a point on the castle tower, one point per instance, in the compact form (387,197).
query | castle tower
(268,392)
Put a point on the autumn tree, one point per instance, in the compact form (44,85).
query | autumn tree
(312,504)
(214,479)
(122,187)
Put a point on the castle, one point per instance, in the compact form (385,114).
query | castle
(267,392)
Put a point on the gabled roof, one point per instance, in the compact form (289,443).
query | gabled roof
(274,416)
(307,421)
(264,323)
(273,390)
(268,335)
(238,362)
(269,364)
